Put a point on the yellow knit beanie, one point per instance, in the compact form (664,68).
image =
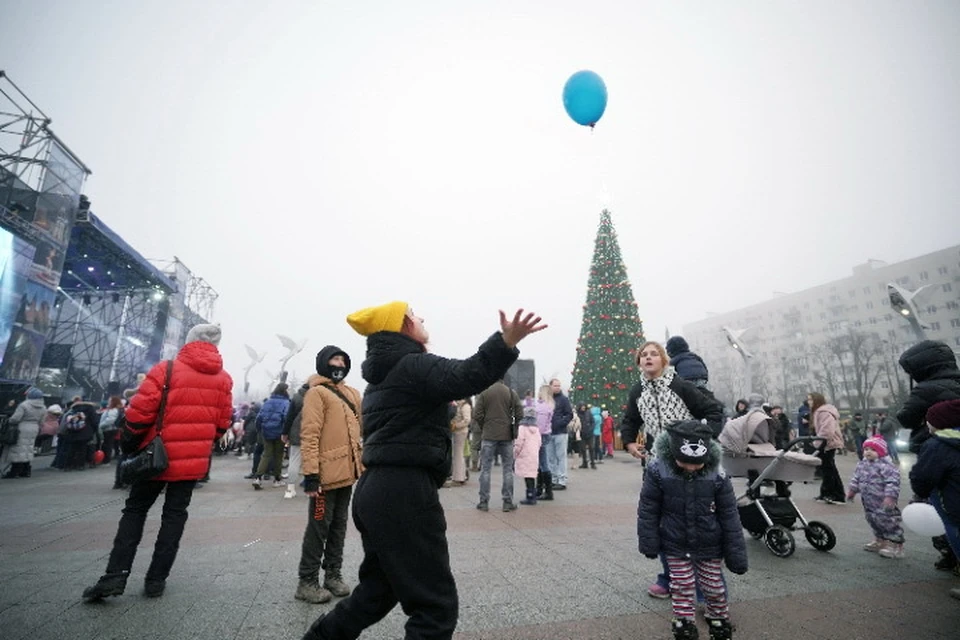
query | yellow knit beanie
(386,317)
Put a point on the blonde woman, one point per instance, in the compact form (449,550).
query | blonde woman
(544,408)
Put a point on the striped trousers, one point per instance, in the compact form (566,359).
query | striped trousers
(685,574)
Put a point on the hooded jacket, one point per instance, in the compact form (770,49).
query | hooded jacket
(938,468)
(687,364)
(273,415)
(690,515)
(198,411)
(27,417)
(932,365)
(826,424)
(330,432)
(405,405)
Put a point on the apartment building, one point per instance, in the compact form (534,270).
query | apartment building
(841,338)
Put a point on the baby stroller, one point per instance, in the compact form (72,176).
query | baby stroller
(771,517)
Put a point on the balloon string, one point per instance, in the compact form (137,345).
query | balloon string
(600,170)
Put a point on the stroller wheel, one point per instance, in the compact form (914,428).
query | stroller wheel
(758,535)
(820,536)
(780,541)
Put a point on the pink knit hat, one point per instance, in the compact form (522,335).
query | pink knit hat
(876,444)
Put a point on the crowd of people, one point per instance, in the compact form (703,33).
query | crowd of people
(424,423)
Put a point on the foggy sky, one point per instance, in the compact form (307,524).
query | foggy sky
(311,158)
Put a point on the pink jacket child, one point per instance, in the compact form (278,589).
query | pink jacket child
(526,453)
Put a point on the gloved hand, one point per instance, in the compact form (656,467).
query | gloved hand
(736,567)
(311,483)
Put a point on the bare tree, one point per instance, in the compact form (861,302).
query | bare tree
(899,389)
(823,371)
(858,354)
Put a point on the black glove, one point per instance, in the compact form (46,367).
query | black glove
(736,568)
(651,556)
(311,483)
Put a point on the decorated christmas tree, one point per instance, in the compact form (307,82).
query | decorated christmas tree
(611,332)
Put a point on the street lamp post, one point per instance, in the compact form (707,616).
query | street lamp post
(255,359)
(733,337)
(292,349)
(903,301)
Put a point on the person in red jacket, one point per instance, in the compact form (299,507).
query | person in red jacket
(198,411)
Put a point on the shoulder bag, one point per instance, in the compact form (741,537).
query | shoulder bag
(152,460)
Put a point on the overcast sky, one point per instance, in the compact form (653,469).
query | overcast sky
(310,158)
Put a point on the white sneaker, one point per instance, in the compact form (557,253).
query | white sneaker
(290,493)
(892,550)
(279,483)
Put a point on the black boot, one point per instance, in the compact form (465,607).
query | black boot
(25,470)
(540,484)
(14,471)
(109,584)
(719,629)
(531,493)
(547,486)
(684,629)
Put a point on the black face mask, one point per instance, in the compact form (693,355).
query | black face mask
(337,373)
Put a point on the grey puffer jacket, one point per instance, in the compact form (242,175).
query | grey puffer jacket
(690,515)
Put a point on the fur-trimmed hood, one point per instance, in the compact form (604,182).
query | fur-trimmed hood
(661,449)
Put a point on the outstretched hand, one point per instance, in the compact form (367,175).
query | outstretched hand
(519,328)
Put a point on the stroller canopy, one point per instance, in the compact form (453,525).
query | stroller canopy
(755,427)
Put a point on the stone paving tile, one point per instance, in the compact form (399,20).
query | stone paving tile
(566,569)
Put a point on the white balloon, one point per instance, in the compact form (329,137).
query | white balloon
(923,519)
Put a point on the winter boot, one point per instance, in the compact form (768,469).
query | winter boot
(25,470)
(531,493)
(310,591)
(333,582)
(719,629)
(109,584)
(14,471)
(153,588)
(684,629)
(508,506)
(547,486)
(540,484)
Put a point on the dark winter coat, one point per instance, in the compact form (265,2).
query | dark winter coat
(272,415)
(562,414)
(405,405)
(198,411)
(250,426)
(932,365)
(938,468)
(587,423)
(291,426)
(690,515)
(686,363)
(498,412)
(700,405)
(91,429)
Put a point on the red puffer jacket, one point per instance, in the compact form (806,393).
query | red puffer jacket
(198,409)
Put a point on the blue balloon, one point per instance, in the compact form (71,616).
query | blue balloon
(585,98)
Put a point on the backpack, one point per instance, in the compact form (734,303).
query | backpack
(76,421)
